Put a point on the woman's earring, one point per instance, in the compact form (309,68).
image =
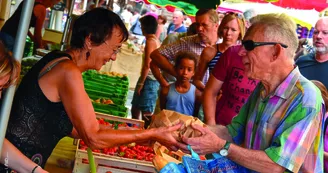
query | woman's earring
(87,55)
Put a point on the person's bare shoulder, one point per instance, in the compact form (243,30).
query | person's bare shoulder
(67,70)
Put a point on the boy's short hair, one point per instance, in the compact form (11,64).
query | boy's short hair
(185,55)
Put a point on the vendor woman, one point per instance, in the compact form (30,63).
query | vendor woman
(51,102)
(9,30)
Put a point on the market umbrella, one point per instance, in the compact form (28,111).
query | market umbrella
(189,7)
(318,5)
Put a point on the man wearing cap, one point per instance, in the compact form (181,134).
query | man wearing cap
(279,128)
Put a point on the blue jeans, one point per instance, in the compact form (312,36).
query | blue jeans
(146,101)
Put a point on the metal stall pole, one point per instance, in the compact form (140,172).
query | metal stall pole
(23,26)
(67,25)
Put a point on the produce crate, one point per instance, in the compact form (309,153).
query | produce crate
(114,164)
(103,85)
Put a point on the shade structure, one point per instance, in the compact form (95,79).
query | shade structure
(318,5)
(189,7)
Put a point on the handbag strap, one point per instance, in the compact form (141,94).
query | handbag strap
(193,153)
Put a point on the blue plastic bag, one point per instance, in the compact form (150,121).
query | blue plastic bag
(193,164)
(173,168)
(218,164)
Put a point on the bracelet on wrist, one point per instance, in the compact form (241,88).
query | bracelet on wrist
(33,170)
(140,84)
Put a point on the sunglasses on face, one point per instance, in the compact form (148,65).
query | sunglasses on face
(250,44)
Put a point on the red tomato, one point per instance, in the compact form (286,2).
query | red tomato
(122,148)
(97,151)
(140,157)
(128,155)
(150,150)
(82,142)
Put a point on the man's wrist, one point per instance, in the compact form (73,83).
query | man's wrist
(219,144)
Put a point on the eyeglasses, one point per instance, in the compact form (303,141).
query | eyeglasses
(250,44)
(114,51)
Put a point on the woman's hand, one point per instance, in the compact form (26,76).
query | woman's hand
(139,89)
(166,136)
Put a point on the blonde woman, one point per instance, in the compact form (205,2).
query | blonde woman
(231,30)
(11,156)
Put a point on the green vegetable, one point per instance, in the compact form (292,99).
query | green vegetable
(92,163)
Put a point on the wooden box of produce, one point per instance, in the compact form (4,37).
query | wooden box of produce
(123,159)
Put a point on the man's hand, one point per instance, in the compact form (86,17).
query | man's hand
(209,142)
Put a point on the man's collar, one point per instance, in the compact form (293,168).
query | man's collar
(202,43)
(323,58)
(285,89)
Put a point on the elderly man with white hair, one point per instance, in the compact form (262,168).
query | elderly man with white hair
(279,128)
(314,66)
(177,23)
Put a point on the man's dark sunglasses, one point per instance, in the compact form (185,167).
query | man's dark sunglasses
(250,44)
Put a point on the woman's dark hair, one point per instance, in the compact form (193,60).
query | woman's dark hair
(148,24)
(185,55)
(163,18)
(99,24)
(143,11)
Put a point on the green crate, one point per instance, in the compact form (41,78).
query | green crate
(116,110)
(96,75)
(101,94)
(107,89)
(106,84)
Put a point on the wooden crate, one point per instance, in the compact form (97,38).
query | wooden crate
(114,164)
(110,163)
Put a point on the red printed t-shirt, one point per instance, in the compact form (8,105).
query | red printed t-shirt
(236,88)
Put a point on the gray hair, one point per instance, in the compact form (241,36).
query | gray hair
(277,27)
(248,14)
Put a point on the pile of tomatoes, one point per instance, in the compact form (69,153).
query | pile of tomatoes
(131,151)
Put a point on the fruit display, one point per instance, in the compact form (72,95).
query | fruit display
(125,158)
(130,151)
(108,90)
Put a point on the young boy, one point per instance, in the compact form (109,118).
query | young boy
(182,96)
